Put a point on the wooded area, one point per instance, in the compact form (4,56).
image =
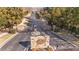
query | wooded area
(62,17)
(11,16)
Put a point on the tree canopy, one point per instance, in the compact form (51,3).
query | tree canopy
(10,16)
(63,17)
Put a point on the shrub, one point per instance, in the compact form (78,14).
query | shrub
(12,31)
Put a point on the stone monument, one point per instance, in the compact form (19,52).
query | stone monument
(40,42)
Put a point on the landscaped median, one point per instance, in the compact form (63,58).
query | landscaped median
(4,39)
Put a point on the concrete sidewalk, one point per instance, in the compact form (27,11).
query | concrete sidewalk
(3,34)
(4,42)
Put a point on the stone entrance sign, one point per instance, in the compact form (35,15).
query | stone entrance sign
(39,42)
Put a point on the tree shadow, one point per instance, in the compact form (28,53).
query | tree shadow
(25,44)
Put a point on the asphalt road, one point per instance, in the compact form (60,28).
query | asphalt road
(61,44)
(18,43)
(22,40)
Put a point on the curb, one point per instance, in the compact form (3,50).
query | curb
(7,40)
(3,34)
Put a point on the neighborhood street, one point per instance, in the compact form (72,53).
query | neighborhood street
(21,42)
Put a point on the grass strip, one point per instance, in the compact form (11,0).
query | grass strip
(2,39)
